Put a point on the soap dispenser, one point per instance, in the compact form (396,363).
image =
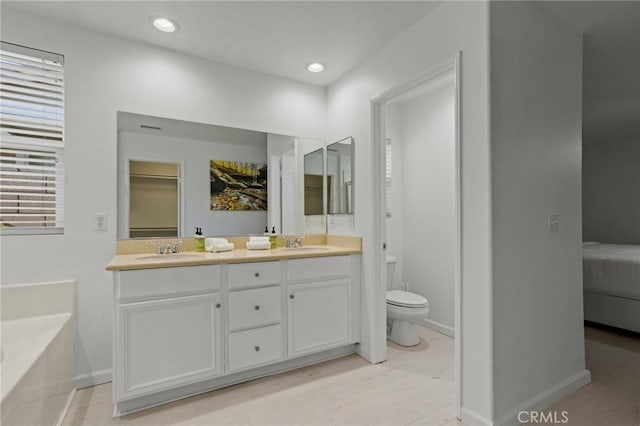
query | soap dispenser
(273,238)
(199,240)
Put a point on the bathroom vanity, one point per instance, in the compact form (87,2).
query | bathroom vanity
(187,324)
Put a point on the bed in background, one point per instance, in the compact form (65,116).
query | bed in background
(611,277)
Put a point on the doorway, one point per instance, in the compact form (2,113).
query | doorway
(154,199)
(442,74)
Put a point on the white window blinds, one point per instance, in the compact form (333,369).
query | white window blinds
(388,174)
(31,140)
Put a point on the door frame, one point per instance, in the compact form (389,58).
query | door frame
(126,185)
(445,67)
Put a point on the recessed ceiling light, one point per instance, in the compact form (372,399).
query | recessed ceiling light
(315,67)
(164,24)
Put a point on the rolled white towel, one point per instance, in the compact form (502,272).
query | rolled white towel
(222,247)
(209,243)
(264,239)
(258,245)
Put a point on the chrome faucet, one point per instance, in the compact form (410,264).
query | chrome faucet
(169,249)
(295,243)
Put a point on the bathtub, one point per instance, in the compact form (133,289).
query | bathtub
(36,355)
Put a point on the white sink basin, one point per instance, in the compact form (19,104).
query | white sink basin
(176,256)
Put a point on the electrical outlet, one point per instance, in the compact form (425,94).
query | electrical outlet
(101,222)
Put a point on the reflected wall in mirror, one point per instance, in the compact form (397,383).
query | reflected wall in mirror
(314,183)
(340,161)
(192,146)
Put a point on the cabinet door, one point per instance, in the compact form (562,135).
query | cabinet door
(319,316)
(166,343)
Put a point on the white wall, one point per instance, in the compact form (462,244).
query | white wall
(427,147)
(452,27)
(195,156)
(610,194)
(536,76)
(104,75)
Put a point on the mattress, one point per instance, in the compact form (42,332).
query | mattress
(612,269)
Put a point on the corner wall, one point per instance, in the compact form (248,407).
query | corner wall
(536,75)
(103,75)
(450,28)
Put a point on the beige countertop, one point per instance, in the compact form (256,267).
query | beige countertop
(147,260)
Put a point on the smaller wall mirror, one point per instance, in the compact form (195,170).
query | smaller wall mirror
(314,183)
(339,177)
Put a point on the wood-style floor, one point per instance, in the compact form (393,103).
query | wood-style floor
(613,396)
(414,386)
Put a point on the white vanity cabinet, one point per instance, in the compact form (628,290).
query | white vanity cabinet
(321,303)
(167,329)
(179,331)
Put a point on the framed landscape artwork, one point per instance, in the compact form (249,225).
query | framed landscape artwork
(238,186)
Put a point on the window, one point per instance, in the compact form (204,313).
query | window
(31,141)
(388,174)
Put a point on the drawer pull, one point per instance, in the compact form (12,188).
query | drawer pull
(257,274)
(218,305)
(257,307)
(257,348)
(291,296)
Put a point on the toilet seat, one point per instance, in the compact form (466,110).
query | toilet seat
(406,299)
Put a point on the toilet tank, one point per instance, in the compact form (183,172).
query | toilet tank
(391,269)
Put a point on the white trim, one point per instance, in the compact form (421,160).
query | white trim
(182,202)
(439,327)
(70,281)
(378,132)
(547,397)
(470,417)
(65,410)
(92,379)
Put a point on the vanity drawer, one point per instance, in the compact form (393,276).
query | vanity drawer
(245,275)
(254,308)
(159,283)
(254,347)
(318,268)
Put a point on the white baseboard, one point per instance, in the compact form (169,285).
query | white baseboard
(92,379)
(439,327)
(471,418)
(363,352)
(66,408)
(544,399)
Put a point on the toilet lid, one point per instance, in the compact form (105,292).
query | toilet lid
(404,298)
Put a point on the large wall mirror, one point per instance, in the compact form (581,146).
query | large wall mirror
(174,176)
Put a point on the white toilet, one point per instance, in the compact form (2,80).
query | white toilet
(403,310)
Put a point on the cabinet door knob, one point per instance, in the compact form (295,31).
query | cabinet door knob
(291,296)
(257,307)
(257,274)
(218,305)
(257,348)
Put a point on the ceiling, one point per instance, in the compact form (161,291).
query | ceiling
(273,37)
(281,37)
